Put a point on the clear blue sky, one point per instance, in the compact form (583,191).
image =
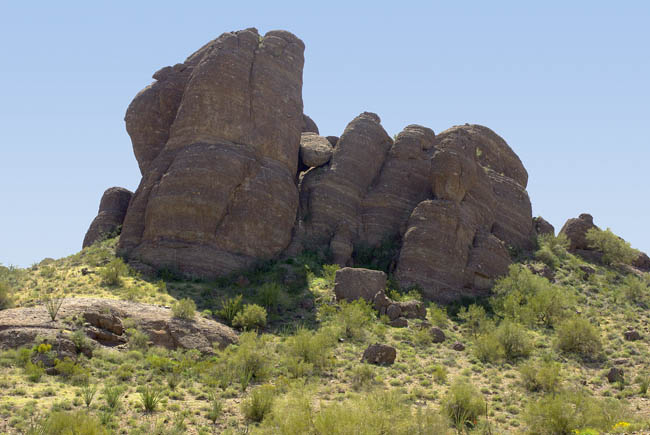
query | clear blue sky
(567,84)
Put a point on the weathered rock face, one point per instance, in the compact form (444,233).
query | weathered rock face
(112,210)
(542,226)
(234,172)
(217,140)
(575,229)
(642,262)
(102,320)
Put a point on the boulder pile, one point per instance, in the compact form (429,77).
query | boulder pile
(233,173)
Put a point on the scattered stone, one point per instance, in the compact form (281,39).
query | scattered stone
(439,335)
(587,271)
(380,354)
(615,374)
(541,269)
(632,335)
(400,322)
(393,311)
(458,346)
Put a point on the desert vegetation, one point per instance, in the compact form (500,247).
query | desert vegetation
(536,354)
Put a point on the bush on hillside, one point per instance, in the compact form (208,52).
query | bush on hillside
(540,376)
(636,290)
(463,403)
(552,250)
(614,249)
(6,297)
(230,307)
(251,317)
(578,336)
(63,423)
(184,309)
(112,273)
(571,411)
(531,299)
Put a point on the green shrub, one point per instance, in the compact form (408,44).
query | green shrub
(66,423)
(215,410)
(636,290)
(137,339)
(313,348)
(184,309)
(259,403)
(112,273)
(329,274)
(251,359)
(88,392)
(113,395)
(614,249)
(488,349)
(514,340)
(251,317)
(352,318)
(528,298)
(540,376)
(70,370)
(475,319)
(571,411)
(6,296)
(34,372)
(363,375)
(53,305)
(509,340)
(463,403)
(552,250)
(230,307)
(578,336)
(438,316)
(149,398)
(270,294)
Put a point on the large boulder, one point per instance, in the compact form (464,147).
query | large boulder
(380,354)
(109,219)
(642,262)
(351,284)
(102,322)
(218,191)
(575,229)
(315,150)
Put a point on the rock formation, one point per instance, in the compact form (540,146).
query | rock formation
(109,219)
(234,172)
(575,229)
(102,319)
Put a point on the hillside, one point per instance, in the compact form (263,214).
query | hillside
(523,368)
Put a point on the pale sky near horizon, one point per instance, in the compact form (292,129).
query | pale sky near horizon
(566,84)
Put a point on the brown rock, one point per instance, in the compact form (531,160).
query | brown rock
(308,125)
(542,270)
(587,270)
(22,326)
(400,322)
(575,230)
(218,189)
(393,311)
(632,335)
(333,140)
(380,354)
(109,219)
(438,335)
(315,150)
(541,226)
(351,284)
(412,309)
(458,346)
(615,374)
